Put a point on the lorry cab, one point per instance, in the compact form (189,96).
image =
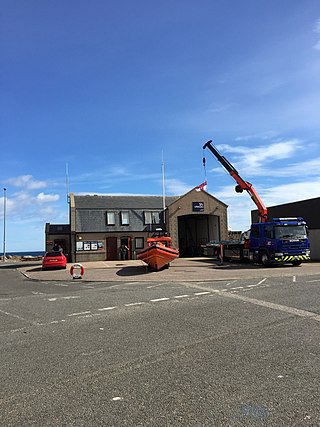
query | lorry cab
(280,240)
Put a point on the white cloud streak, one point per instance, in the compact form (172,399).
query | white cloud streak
(317,31)
(27,182)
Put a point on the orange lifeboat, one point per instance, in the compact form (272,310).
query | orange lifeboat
(158,253)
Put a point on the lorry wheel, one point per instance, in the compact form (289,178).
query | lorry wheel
(265,259)
(296,263)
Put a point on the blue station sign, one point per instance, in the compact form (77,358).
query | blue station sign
(197,206)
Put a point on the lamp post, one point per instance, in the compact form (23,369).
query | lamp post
(4,223)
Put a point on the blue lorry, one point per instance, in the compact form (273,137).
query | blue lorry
(269,241)
(282,240)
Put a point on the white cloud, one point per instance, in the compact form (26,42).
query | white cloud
(262,136)
(176,187)
(240,205)
(317,31)
(259,161)
(27,182)
(45,198)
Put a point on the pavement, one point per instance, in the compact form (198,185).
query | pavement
(181,269)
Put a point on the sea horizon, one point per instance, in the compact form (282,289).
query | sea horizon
(24,253)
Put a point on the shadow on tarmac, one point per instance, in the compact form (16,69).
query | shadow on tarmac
(133,271)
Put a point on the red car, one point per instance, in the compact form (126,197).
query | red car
(54,260)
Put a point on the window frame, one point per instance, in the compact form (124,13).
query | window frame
(114,218)
(122,218)
(153,215)
(136,239)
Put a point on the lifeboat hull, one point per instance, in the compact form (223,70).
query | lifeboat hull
(158,256)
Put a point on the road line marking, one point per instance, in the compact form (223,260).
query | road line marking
(294,278)
(133,303)
(71,297)
(80,314)
(201,293)
(181,296)
(312,281)
(16,316)
(273,306)
(155,286)
(107,308)
(159,299)
(52,299)
(261,281)
(238,287)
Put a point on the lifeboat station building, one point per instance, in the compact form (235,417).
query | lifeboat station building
(116,227)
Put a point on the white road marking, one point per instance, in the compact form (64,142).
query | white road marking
(52,299)
(133,303)
(312,281)
(71,297)
(117,398)
(202,293)
(181,296)
(257,284)
(159,299)
(107,308)
(155,286)
(294,278)
(80,314)
(37,293)
(273,306)
(238,287)
(15,315)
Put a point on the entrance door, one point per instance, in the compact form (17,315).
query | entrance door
(194,231)
(112,253)
(125,247)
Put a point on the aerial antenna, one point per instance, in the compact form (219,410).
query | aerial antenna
(67,183)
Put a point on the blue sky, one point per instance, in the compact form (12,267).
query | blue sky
(106,86)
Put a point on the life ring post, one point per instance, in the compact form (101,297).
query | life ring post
(77,271)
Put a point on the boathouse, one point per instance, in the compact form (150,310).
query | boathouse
(101,225)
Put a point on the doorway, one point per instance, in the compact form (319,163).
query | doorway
(125,248)
(195,231)
(112,252)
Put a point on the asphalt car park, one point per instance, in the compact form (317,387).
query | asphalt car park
(233,351)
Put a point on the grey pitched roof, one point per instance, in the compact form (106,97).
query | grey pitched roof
(122,202)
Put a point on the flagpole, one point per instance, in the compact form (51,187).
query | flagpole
(163,191)
(4,223)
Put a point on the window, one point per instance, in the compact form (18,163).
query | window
(139,242)
(111,218)
(269,232)
(124,218)
(255,231)
(151,217)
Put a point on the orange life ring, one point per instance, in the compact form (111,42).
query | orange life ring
(77,266)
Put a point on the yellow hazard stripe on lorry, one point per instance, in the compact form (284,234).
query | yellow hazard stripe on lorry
(289,258)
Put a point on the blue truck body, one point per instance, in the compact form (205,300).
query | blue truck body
(282,240)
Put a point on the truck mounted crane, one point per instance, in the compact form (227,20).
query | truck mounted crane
(270,241)
(241,183)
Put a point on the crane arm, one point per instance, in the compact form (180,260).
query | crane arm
(241,184)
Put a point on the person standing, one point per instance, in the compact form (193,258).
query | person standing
(124,252)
